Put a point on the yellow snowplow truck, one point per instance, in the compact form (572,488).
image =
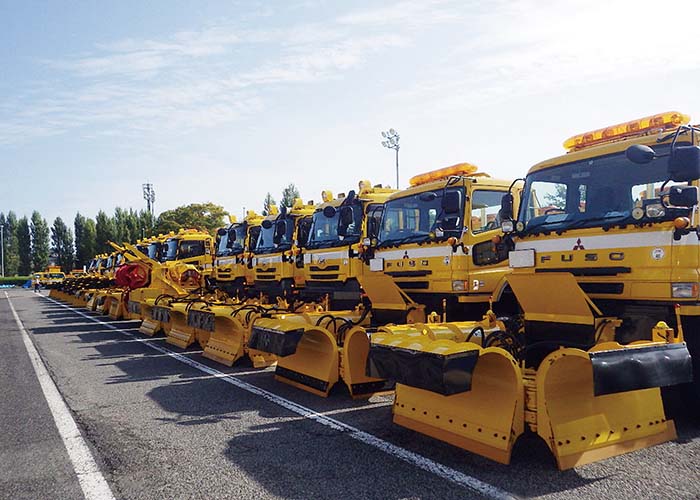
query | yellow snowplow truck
(332,254)
(619,211)
(603,270)
(435,240)
(232,272)
(277,262)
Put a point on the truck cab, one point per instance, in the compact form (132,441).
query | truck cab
(332,254)
(190,246)
(231,270)
(435,240)
(277,262)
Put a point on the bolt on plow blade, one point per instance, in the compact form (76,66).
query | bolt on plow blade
(459,393)
(310,355)
(606,402)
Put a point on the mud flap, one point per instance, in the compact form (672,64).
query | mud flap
(313,366)
(353,363)
(486,420)
(581,427)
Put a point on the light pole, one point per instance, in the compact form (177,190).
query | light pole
(392,142)
(2,249)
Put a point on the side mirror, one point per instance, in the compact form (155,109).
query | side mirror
(329,212)
(266,224)
(232,236)
(221,231)
(280,230)
(452,201)
(683,196)
(346,216)
(372,228)
(640,154)
(506,211)
(684,163)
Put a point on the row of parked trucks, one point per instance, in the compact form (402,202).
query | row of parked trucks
(560,304)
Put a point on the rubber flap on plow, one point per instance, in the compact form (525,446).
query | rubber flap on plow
(606,402)
(313,364)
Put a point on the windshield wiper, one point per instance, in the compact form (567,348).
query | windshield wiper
(414,238)
(602,218)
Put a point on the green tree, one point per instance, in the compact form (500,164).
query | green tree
(62,244)
(11,247)
(289,194)
(204,216)
(104,232)
(267,203)
(40,242)
(84,240)
(24,245)
(89,240)
(146,224)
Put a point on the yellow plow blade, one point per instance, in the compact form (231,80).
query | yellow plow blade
(456,392)
(307,355)
(180,333)
(228,329)
(114,304)
(606,402)
(226,341)
(156,317)
(353,366)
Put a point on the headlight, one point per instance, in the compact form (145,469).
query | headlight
(684,290)
(655,210)
(521,258)
(459,286)
(507,226)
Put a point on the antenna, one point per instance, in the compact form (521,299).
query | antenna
(149,194)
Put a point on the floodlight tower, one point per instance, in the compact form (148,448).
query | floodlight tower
(149,194)
(392,142)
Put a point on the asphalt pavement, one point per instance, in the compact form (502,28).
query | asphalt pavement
(167,423)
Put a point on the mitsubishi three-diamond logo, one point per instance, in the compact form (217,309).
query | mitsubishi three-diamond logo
(578,245)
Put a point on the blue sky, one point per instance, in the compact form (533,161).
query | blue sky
(224,101)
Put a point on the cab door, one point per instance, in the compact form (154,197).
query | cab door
(485,266)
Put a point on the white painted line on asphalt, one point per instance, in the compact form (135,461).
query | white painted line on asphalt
(424,463)
(91,481)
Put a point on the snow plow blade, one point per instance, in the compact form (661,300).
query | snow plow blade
(156,318)
(229,335)
(454,391)
(310,360)
(606,402)
(180,334)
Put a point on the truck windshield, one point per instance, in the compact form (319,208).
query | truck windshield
(154,251)
(603,191)
(343,228)
(229,245)
(190,248)
(268,243)
(420,217)
(171,249)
